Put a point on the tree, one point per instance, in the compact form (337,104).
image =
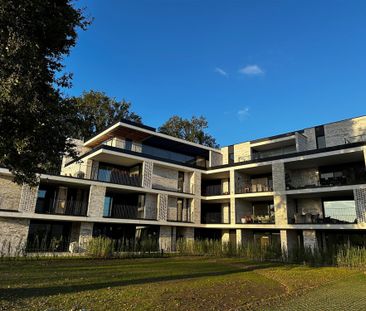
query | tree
(192,130)
(35,118)
(97,111)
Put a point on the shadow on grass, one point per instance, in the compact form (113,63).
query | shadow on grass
(29,292)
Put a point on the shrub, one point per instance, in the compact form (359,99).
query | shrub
(100,247)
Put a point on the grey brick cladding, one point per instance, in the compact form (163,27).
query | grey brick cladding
(96,201)
(28,199)
(303,177)
(13,235)
(162,207)
(151,201)
(147,174)
(10,194)
(360,199)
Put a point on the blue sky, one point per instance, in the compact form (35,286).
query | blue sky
(253,68)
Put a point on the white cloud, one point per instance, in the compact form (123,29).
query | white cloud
(251,70)
(221,71)
(243,113)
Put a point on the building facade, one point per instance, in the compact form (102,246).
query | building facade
(304,188)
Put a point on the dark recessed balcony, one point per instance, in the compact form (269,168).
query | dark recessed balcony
(211,190)
(57,199)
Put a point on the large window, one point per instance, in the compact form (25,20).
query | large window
(48,236)
(340,211)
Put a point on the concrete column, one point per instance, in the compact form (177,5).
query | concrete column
(196,211)
(196,179)
(147,172)
(232,199)
(167,238)
(225,237)
(96,201)
(13,236)
(85,235)
(288,241)
(239,241)
(310,241)
(279,197)
(225,212)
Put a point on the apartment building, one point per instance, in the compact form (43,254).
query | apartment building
(304,188)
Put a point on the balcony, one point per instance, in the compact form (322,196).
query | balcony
(119,175)
(179,210)
(255,212)
(128,206)
(215,213)
(62,207)
(157,153)
(328,211)
(187,189)
(211,190)
(254,187)
(60,200)
(326,176)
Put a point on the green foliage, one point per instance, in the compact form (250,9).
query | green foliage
(97,112)
(100,247)
(192,130)
(216,248)
(35,119)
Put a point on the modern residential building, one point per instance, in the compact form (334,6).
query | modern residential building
(304,188)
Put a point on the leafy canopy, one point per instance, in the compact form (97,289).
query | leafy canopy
(193,130)
(35,119)
(97,111)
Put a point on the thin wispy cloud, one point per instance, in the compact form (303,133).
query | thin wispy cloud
(252,70)
(243,113)
(221,71)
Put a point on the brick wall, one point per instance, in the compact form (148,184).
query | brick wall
(151,201)
(312,206)
(360,200)
(303,177)
(165,178)
(172,208)
(13,235)
(335,133)
(242,152)
(162,207)
(310,138)
(301,142)
(147,174)
(96,201)
(216,158)
(28,199)
(10,194)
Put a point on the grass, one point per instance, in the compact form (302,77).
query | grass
(178,283)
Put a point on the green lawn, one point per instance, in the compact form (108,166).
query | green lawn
(180,283)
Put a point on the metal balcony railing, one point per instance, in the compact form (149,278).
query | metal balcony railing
(62,207)
(126,211)
(253,188)
(214,190)
(119,177)
(174,188)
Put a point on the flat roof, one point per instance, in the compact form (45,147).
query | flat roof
(301,131)
(149,136)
